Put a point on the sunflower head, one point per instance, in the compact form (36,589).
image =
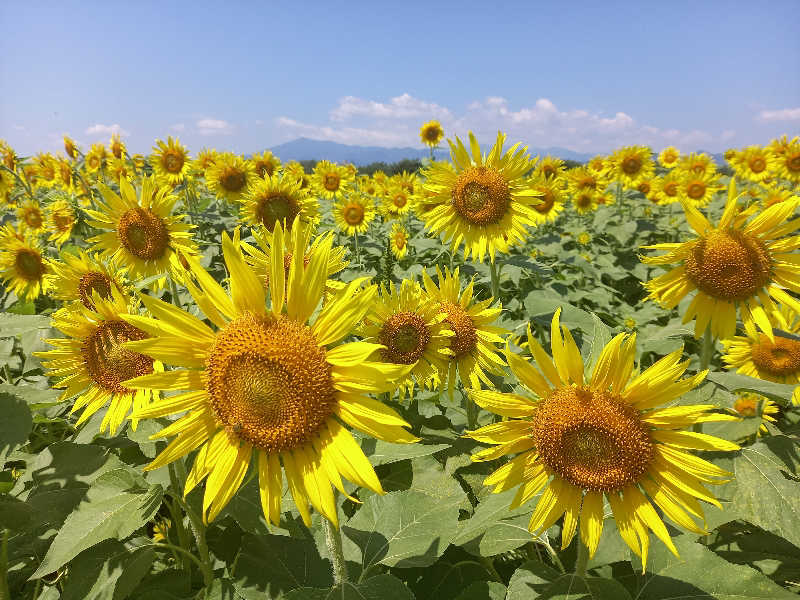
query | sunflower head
(95,158)
(265,164)
(668,157)
(117,146)
(22,264)
(61,219)
(275,199)
(170,161)
(70,147)
(755,163)
(631,164)
(398,240)
(330,179)
(353,213)
(431,133)
(230,176)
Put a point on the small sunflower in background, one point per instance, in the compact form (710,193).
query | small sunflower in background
(7,183)
(140,231)
(119,168)
(265,163)
(481,200)
(549,168)
(117,147)
(431,133)
(204,160)
(95,158)
(578,441)
(598,164)
(275,199)
(170,161)
(585,201)
(749,405)
(743,265)
(22,264)
(330,179)
(775,195)
(70,147)
(697,164)
(668,157)
(353,213)
(631,164)
(551,200)
(61,219)
(755,164)
(668,187)
(398,240)
(65,179)
(413,331)
(582,179)
(77,277)
(297,172)
(8,155)
(93,364)
(397,201)
(474,354)
(30,217)
(697,189)
(787,158)
(271,382)
(230,176)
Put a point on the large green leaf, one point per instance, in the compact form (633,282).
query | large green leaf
(733,382)
(383,453)
(15,425)
(11,324)
(107,571)
(494,528)
(116,505)
(537,580)
(484,590)
(382,587)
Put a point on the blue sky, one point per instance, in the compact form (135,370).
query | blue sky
(248,75)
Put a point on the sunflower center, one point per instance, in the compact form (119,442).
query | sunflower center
(94,161)
(547,203)
(108,363)
(331,182)
(670,157)
(583,200)
(481,195)
(757,164)
(96,282)
(400,240)
(399,200)
(233,180)
(354,214)
(29,264)
(265,168)
(269,382)
(696,190)
(793,162)
(729,265)
(592,439)
(549,171)
(33,218)
(276,209)
(432,134)
(62,221)
(780,358)
(173,161)
(143,233)
(465,340)
(405,336)
(631,165)
(644,187)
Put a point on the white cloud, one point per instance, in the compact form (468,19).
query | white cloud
(400,107)
(19,128)
(727,135)
(177,127)
(259,122)
(106,130)
(213,127)
(784,114)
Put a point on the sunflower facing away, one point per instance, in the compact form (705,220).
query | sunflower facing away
(77,277)
(431,133)
(91,361)
(267,385)
(229,176)
(31,218)
(60,221)
(741,265)
(353,213)
(170,161)
(70,147)
(578,440)
(756,406)
(275,199)
(95,158)
(484,201)
(141,233)
(22,266)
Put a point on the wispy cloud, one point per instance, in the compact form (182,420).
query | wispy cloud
(401,107)
(783,114)
(106,130)
(178,127)
(214,127)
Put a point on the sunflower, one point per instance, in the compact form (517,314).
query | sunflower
(668,188)
(774,194)
(70,147)
(8,155)
(60,221)
(578,440)
(22,266)
(93,362)
(46,169)
(668,157)
(484,201)
(631,164)
(266,382)
(397,201)
(230,176)
(431,133)
(787,158)
(585,202)
(647,188)
(265,164)
(750,405)
(297,172)
(697,189)
(275,199)
(64,175)
(597,164)
(697,164)
(353,213)
(367,185)
(398,240)
(31,218)
(94,159)
(330,179)
(776,359)
(755,164)
(582,179)
(474,353)
(742,264)
(76,277)
(117,146)
(551,200)
(170,161)
(205,159)
(7,183)
(140,232)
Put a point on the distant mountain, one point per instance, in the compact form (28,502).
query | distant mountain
(308,149)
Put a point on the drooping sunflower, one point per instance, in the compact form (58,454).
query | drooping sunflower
(265,164)
(787,155)
(95,158)
(739,266)
(93,362)
(60,221)
(755,164)
(550,168)
(65,179)
(141,233)
(31,218)
(276,199)
(578,440)
(8,155)
(474,353)
(330,179)
(268,383)
(774,194)
(70,147)
(697,164)
(431,133)
(230,176)
(756,406)
(22,265)
(668,157)
(484,201)
(117,146)
(631,164)
(170,161)
(398,240)
(77,277)
(551,200)
(353,213)
(697,189)
(413,331)
(204,159)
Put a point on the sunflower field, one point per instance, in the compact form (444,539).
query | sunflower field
(228,377)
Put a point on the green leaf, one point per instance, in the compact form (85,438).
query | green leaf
(733,382)
(382,587)
(11,324)
(15,425)
(493,528)
(107,571)
(484,590)
(537,580)
(116,505)
(540,305)
(34,397)
(602,335)
(270,566)
(383,453)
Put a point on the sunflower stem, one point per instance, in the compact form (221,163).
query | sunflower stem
(195,521)
(333,540)
(5,593)
(707,349)
(358,250)
(173,289)
(582,559)
(494,271)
